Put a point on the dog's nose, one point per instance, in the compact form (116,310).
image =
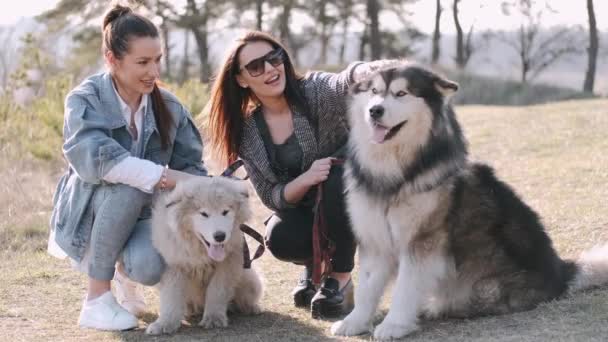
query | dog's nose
(376,112)
(219,236)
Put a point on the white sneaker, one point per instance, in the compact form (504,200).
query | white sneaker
(129,294)
(103,313)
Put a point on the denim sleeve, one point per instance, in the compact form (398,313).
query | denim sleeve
(187,153)
(88,146)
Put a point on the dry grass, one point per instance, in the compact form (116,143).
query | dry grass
(553,155)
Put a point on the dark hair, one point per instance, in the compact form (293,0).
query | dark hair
(231,103)
(121,24)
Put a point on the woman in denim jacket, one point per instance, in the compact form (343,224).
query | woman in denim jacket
(124,138)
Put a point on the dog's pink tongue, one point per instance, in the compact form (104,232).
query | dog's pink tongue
(379,133)
(216,252)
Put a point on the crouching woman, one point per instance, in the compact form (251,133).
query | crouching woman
(124,139)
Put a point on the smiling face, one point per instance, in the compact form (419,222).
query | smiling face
(213,225)
(271,82)
(137,71)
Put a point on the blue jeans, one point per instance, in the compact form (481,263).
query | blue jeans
(119,233)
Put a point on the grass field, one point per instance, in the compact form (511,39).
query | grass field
(554,156)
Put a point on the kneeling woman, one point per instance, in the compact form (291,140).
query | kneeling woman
(124,138)
(287,128)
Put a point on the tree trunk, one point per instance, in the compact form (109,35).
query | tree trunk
(436,35)
(375,40)
(324,36)
(259,14)
(591,50)
(363,45)
(344,39)
(164,29)
(199,29)
(200,36)
(460,59)
(186,60)
(284,33)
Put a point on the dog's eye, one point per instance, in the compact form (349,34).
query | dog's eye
(225,212)
(374,90)
(401,93)
(204,214)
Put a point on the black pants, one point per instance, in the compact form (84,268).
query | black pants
(289,232)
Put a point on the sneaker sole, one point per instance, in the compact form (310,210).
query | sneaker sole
(105,328)
(321,310)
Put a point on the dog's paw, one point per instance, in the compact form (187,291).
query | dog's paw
(388,330)
(214,320)
(349,327)
(158,328)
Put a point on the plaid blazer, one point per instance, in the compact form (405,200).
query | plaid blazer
(325,97)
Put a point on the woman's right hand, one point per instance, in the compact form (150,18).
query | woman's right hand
(174,177)
(318,171)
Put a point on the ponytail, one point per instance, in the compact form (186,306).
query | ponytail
(162,115)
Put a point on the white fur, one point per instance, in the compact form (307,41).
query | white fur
(192,277)
(592,269)
(384,230)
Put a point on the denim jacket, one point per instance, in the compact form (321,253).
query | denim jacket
(96,139)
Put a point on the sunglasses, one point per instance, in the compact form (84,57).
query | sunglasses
(257,66)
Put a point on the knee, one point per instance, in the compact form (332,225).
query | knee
(144,266)
(283,245)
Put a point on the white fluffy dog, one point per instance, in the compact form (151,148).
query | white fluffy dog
(195,227)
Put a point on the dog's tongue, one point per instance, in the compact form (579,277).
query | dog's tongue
(379,133)
(216,252)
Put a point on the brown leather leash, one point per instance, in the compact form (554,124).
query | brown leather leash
(323,247)
(247,260)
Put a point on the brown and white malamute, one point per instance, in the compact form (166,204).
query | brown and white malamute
(460,242)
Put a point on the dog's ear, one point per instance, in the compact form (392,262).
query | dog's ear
(445,87)
(172,203)
(242,188)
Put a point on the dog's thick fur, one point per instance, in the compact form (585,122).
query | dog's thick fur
(186,224)
(460,241)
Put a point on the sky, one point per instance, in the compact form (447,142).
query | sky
(569,12)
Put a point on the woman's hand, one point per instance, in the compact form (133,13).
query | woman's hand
(173,177)
(318,172)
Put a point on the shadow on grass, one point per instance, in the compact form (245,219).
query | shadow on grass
(268,326)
